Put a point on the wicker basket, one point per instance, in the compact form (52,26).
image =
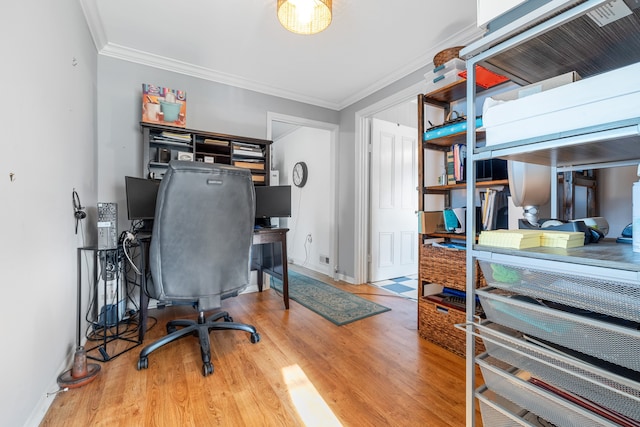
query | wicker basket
(446,55)
(436,325)
(446,267)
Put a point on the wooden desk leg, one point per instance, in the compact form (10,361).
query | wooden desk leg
(285,274)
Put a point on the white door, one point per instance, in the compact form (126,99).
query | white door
(394,224)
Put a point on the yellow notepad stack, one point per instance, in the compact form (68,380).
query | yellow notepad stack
(562,239)
(514,239)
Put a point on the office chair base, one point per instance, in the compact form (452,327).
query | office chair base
(177,329)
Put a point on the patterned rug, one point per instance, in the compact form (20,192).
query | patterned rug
(333,304)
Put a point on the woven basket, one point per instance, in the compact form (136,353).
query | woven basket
(447,267)
(436,324)
(446,55)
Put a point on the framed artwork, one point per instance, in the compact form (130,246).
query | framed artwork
(161,105)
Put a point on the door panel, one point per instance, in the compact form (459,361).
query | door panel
(394,237)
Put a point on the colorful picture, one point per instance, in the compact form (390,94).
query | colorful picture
(161,105)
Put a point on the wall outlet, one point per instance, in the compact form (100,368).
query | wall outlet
(324,259)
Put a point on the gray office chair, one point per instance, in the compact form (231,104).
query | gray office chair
(200,248)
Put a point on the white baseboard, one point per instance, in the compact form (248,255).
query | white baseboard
(46,398)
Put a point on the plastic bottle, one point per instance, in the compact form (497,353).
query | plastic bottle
(635,201)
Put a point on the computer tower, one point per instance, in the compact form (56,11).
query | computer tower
(107,225)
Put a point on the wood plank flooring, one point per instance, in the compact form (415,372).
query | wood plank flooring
(305,371)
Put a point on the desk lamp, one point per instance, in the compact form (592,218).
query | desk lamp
(530,187)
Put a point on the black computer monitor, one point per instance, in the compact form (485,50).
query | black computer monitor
(273,201)
(141,197)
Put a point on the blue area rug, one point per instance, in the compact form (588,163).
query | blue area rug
(333,304)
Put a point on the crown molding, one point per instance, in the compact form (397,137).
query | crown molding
(96,28)
(463,37)
(169,64)
(92,16)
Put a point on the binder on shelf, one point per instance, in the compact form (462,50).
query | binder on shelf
(450,168)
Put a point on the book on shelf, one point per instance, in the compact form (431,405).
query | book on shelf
(493,203)
(241,152)
(257,178)
(450,168)
(459,159)
(172,138)
(175,135)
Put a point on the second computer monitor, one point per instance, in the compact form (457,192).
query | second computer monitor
(273,201)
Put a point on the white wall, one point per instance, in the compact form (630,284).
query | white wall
(49,145)
(310,207)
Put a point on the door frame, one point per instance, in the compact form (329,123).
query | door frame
(333,172)
(362,222)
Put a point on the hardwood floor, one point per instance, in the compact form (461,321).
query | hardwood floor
(305,371)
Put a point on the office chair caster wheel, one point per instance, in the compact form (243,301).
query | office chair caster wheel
(228,318)
(207,369)
(255,338)
(143,363)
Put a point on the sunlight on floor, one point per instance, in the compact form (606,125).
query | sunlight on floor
(312,409)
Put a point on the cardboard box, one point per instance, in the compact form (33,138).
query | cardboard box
(538,87)
(430,222)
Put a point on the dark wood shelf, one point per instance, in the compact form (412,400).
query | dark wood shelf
(444,142)
(221,153)
(441,189)
(449,93)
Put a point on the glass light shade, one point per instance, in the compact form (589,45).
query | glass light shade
(304,16)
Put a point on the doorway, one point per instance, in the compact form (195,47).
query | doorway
(393,181)
(312,236)
(363,124)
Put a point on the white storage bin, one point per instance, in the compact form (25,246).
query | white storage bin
(605,388)
(509,384)
(616,344)
(453,64)
(604,98)
(447,78)
(614,298)
(497,411)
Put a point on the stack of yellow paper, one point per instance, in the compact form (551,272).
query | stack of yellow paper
(562,239)
(515,239)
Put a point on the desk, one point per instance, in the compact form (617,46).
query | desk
(273,263)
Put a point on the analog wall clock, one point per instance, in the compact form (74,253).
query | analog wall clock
(300,174)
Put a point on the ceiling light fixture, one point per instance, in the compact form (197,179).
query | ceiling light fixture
(304,16)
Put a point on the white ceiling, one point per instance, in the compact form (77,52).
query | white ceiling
(369,44)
